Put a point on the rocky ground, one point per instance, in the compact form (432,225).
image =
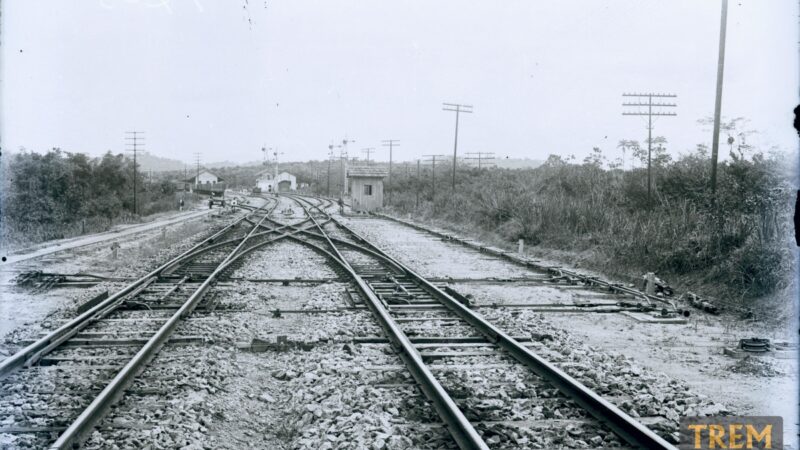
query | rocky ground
(278,366)
(136,255)
(691,353)
(278,380)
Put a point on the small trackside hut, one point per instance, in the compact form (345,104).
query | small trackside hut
(366,188)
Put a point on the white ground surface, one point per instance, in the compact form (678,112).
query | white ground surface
(80,241)
(87,254)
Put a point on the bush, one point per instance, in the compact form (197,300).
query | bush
(740,238)
(59,194)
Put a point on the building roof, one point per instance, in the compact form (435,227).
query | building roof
(264,175)
(366,172)
(267,175)
(191,180)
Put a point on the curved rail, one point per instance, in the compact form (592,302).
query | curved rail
(85,422)
(459,426)
(65,331)
(31,354)
(630,430)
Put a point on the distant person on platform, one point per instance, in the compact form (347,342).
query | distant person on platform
(341,206)
(181,204)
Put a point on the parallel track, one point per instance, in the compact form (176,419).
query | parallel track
(383,278)
(395,295)
(25,375)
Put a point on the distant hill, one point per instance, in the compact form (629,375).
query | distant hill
(148,161)
(217,165)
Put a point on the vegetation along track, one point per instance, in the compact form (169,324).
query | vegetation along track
(45,405)
(403,302)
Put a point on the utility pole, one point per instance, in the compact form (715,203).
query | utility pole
(481,156)
(642,100)
(391,143)
(343,156)
(458,109)
(723,25)
(416,207)
(432,160)
(330,159)
(197,167)
(368,151)
(134,141)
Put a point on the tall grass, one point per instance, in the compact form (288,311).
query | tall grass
(738,238)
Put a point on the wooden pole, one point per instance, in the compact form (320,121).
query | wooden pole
(718,100)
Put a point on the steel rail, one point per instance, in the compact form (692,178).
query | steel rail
(33,359)
(85,422)
(352,245)
(171,268)
(618,421)
(19,358)
(538,267)
(459,427)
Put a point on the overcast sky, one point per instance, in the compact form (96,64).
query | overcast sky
(224,78)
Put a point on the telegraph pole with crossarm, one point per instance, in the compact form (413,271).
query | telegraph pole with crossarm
(135,142)
(391,143)
(368,151)
(646,100)
(481,156)
(458,109)
(197,166)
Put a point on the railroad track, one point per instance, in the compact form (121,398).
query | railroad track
(422,322)
(401,300)
(631,298)
(110,344)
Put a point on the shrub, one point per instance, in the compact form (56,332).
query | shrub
(739,238)
(59,194)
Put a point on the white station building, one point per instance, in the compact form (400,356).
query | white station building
(282,182)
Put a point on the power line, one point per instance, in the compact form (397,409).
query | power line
(480,157)
(391,143)
(638,103)
(458,109)
(134,141)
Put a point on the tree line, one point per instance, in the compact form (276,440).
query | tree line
(60,194)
